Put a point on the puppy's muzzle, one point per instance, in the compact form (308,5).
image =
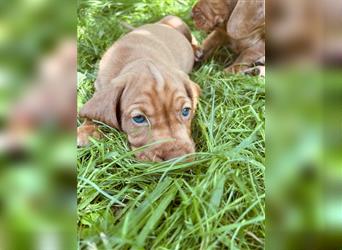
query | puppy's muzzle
(167,151)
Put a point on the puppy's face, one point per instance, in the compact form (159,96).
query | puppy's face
(203,16)
(151,108)
(159,112)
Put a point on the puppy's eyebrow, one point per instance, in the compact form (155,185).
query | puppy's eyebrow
(142,100)
(180,99)
(137,105)
(143,107)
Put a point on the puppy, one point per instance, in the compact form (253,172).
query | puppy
(143,89)
(240,24)
(293,30)
(48,101)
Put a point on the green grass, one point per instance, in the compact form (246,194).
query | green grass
(214,202)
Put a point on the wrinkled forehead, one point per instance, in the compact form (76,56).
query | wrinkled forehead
(156,92)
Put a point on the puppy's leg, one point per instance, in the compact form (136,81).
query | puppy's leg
(195,45)
(247,58)
(86,130)
(216,39)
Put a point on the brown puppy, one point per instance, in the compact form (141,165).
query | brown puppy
(240,24)
(143,89)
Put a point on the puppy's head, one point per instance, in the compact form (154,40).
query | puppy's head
(151,108)
(205,17)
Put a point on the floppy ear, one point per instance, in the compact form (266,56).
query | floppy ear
(193,91)
(246,17)
(104,106)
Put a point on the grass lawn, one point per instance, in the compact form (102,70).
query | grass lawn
(214,202)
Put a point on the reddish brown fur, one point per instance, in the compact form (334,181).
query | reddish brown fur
(239,24)
(145,73)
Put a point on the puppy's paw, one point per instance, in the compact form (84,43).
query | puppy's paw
(83,134)
(199,54)
(255,71)
(260,62)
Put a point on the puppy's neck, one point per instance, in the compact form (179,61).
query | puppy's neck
(138,66)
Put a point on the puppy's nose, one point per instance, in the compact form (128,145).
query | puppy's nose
(173,151)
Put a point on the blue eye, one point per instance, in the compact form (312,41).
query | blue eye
(139,119)
(186,112)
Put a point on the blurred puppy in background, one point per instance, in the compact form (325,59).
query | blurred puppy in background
(237,23)
(48,102)
(292,30)
(302,32)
